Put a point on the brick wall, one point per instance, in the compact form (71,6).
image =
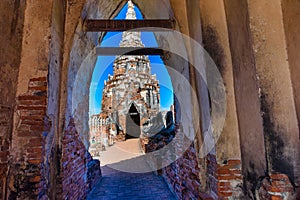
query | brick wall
(223,180)
(79,171)
(226,181)
(27,177)
(276,187)
(182,176)
(230,180)
(25,170)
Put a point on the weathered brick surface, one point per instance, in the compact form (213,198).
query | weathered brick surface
(224,180)
(182,175)
(26,169)
(229,179)
(28,180)
(79,171)
(276,187)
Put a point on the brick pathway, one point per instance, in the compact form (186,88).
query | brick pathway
(120,185)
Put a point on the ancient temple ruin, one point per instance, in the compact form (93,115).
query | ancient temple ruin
(131,96)
(47,57)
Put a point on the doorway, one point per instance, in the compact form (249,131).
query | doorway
(133,124)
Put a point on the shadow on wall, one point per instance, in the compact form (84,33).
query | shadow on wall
(274,144)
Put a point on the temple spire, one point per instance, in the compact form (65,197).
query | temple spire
(131,39)
(130,12)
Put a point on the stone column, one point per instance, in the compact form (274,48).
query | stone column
(277,96)
(246,91)
(30,118)
(228,152)
(291,18)
(11,23)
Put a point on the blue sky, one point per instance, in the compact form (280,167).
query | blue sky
(104,67)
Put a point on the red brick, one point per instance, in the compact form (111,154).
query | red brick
(24,128)
(4,147)
(33,122)
(35,161)
(237,172)
(35,179)
(38,79)
(28,134)
(224,188)
(31,97)
(37,128)
(32,102)
(234,162)
(225,194)
(35,150)
(34,107)
(276,198)
(35,142)
(38,88)
(226,177)
(223,183)
(32,117)
(37,113)
(4,153)
(279,177)
(34,155)
(4,156)
(280,189)
(223,170)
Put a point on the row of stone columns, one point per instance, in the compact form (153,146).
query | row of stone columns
(254,44)
(249,40)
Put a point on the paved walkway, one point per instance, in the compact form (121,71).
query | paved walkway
(118,185)
(125,156)
(120,151)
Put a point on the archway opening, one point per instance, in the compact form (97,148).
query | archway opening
(118,81)
(83,56)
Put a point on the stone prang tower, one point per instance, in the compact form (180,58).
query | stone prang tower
(130,97)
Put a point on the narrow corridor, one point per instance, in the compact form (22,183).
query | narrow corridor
(115,184)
